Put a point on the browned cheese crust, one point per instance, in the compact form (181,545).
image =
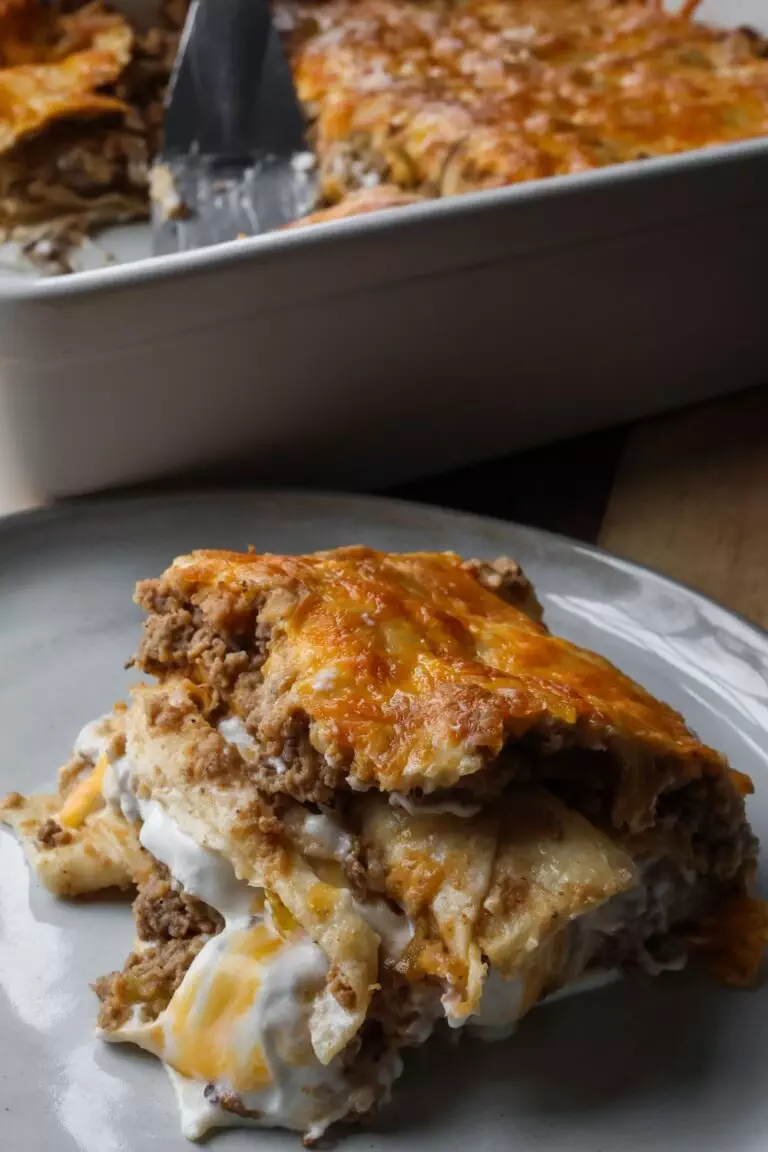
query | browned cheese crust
(407,672)
(438,97)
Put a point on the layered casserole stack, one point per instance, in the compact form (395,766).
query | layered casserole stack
(365,795)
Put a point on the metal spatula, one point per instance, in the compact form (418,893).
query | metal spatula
(235,158)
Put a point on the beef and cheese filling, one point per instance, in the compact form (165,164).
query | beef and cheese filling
(370,795)
(440,97)
(81,118)
(223,987)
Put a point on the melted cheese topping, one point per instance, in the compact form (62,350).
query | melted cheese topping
(443,98)
(52,66)
(107,780)
(432,672)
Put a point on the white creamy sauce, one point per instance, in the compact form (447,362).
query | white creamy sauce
(323,836)
(92,740)
(235,732)
(116,789)
(394,929)
(303,1094)
(200,1115)
(272,1030)
(274,1027)
(432,808)
(197,1113)
(202,873)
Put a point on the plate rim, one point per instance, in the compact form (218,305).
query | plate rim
(83,505)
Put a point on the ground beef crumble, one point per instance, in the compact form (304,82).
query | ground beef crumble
(162,912)
(214,649)
(293,766)
(50,834)
(214,759)
(175,925)
(506,578)
(148,980)
(341,990)
(230,1102)
(71,772)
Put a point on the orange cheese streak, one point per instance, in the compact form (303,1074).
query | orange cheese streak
(199,1035)
(85,797)
(439,96)
(408,668)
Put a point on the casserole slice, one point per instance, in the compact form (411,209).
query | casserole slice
(369,795)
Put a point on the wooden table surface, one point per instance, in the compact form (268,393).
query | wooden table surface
(686,493)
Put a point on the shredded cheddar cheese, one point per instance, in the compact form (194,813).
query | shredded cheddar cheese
(80,803)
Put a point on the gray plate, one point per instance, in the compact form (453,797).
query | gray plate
(676,1065)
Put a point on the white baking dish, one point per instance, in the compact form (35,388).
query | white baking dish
(391,345)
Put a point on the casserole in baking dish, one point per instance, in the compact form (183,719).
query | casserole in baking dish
(432,97)
(448,96)
(400,342)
